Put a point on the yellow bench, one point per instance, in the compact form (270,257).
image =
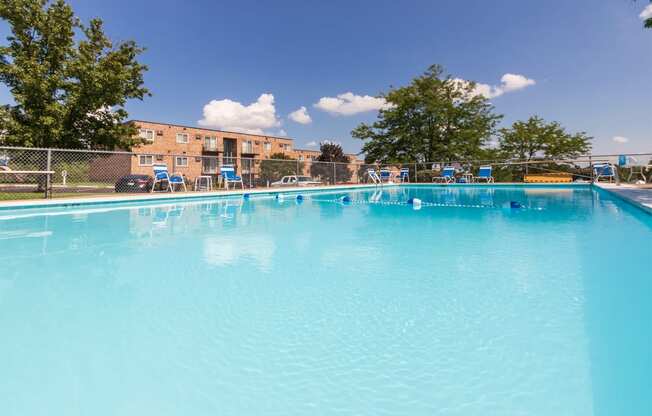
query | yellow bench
(549,178)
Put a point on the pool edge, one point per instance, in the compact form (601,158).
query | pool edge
(614,191)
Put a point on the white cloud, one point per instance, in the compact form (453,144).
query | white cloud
(646,13)
(348,104)
(233,116)
(300,116)
(508,83)
(282,133)
(311,144)
(515,82)
(620,139)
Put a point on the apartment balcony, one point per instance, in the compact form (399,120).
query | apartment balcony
(248,151)
(210,148)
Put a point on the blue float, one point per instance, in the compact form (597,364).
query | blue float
(515,204)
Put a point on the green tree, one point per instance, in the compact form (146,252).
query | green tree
(331,152)
(647,23)
(277,166)
(68,80)
(434,118)
(537,139)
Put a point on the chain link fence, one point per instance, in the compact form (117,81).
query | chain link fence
(27,173)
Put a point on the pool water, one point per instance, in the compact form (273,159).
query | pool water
(262,306)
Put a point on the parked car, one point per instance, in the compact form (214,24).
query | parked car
(293,180)
(134,183)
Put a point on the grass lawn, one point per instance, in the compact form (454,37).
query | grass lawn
(15,196)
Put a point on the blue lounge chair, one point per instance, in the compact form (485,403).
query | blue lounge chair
(385,175)
(229,176)
(484,173)
(447,175)
(604,171)
(404,175)
(161,176)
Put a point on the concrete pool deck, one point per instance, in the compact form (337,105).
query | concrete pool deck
(637,195)
(163,197)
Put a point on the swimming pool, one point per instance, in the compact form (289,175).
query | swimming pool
(262,306)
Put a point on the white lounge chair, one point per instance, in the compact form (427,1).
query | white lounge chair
(162,176)
(373,176)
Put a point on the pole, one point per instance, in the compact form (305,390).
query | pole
(334,179)
(48,179)
(416,174)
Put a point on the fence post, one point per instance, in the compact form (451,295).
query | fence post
(416,174)
(48,179)
(334,178)
(591,169)
(298,167)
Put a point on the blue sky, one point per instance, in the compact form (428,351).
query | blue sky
(590,61)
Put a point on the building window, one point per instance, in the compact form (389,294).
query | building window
(181,162)
(300,157)
(147,134)
(210,143)
(145,160)
(268,147)
(209,165)
(182,138)
(247,147)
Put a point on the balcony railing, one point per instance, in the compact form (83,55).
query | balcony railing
(207,147)
(210,170)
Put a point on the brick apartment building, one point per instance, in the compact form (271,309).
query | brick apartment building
(194,151)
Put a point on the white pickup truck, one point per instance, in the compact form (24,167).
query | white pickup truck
(294,180)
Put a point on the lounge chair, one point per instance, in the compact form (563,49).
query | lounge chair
(229,176)
(373,176)
(161,175)
(4,163)
(636,168)
(484,173)
(385,175)
(404,175)
(604,171)
(447,175)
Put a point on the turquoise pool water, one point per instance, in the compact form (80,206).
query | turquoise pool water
(266,307)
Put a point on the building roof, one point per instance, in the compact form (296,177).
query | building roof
(209,129)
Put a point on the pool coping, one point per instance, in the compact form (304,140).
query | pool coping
(171,197)
(624,193)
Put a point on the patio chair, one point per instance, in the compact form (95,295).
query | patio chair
(404,175)
(229,176)
(4,163)
(385,175)
(447,175)
(484,174)
(635,167)
(373,176)
(604,171)
(161,176)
